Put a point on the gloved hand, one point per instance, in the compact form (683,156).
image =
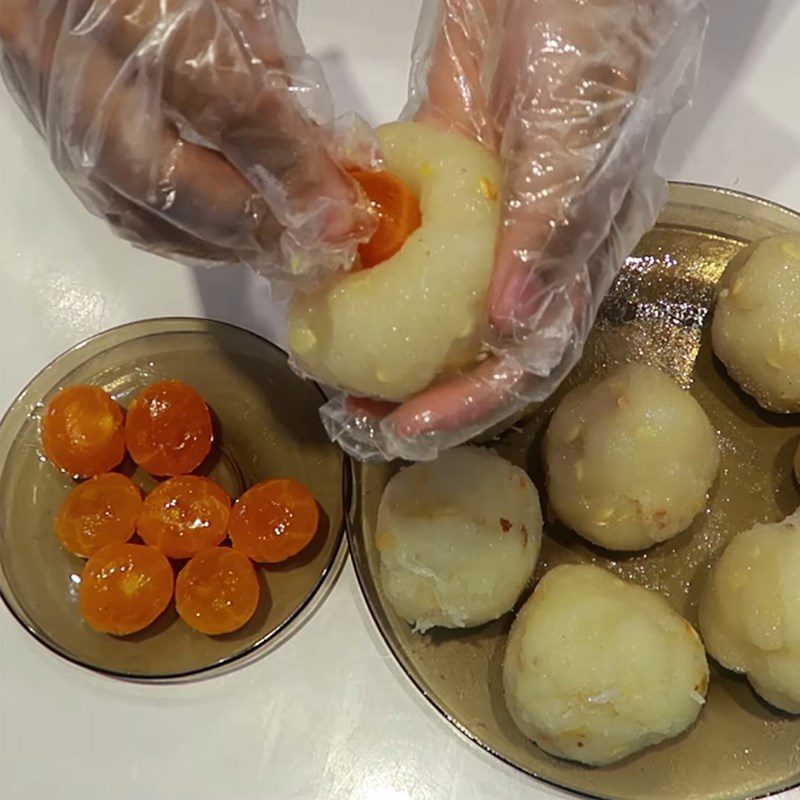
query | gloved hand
(199,129)
(574,95)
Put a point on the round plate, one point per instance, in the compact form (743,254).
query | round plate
(656,312)
(266,425)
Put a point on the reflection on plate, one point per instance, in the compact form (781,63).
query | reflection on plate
(266,425)
(657,312)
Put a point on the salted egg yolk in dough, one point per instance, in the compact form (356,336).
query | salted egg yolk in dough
(387,332)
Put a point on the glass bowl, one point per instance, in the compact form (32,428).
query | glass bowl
(266,425)
(657,312)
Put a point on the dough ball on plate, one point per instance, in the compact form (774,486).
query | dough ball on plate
(750,611)
(458,539)
(387,332)
(596,668)
(756,327)
(630,459)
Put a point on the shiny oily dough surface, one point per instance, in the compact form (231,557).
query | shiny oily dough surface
(458,539)
(630,459)
(756,326)
(597,669)
(750,610)
(387,332)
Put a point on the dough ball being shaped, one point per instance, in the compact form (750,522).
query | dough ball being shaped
(750,610)
(387,332)
(596,668)
(756,327)
(630,459)
(458,539)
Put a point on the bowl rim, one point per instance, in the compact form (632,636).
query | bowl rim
(679,187)
(303,611)
(694,192)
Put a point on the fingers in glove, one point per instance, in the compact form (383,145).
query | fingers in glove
(28,34)
(500,385)
(556,119)
(459,401)
(456,402)
(116,123)
(454,97)
(226,72)
(150,232)
(28,45)
(106,123)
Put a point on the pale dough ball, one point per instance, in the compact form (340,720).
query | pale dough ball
(596,668)
(750,610)
(387,332)
(630,459)
(756,327)
(458,539)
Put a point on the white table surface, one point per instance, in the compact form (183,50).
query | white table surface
(328,715)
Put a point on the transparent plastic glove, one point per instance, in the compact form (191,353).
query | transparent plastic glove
(575,96)
(199,129)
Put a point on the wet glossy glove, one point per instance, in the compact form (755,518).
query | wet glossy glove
(199,129)
(574,95)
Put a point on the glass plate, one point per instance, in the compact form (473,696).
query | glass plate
(266,425)
(657,312)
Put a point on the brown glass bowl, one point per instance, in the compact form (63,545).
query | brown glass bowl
(266,425)
(657,312)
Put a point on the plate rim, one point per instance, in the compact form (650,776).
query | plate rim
(294,621)
(735,194)
(359,567)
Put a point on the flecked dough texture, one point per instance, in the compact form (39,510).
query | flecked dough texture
(750,610)
(630,459)
(597,669)
(756,326)
(387,332)
(458,539)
